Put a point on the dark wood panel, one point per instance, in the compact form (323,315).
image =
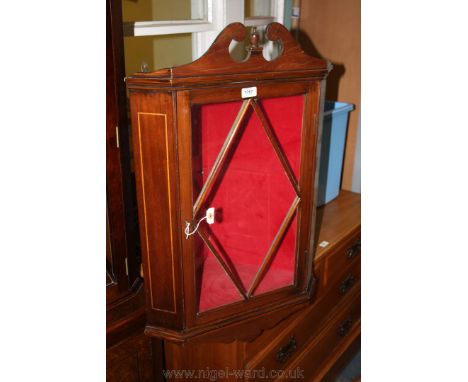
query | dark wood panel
(128,325)
(157,202)
(154,142)
(121,207)
(131,361)
(204,359)
(233,92)
(129,353)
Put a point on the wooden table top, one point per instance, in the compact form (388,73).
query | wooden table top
(337,220)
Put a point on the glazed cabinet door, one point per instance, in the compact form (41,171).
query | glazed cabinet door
(247,194)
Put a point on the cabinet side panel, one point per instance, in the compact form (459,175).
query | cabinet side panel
(154,142)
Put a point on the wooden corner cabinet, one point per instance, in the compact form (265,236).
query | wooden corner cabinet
(225,163)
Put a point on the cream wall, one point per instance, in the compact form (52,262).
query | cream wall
(157,51)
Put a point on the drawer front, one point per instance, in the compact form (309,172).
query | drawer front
(346,255)
(341,284)
(308,364)
(280,348)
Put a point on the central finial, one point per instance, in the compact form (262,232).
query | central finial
(254,37)
(254,47)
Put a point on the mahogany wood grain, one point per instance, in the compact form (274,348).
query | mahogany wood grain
(204,360)
(245,326)
(265,89)
(161,106)
(186,201)
(308,186)
(334,265)
(338,220)
(131,360)
(130,324)
(153,129)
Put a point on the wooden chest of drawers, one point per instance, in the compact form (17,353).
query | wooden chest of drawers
(309,342)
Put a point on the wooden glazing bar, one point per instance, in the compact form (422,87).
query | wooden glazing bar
(228,143)
(221,261)
(276,146)
(274,246)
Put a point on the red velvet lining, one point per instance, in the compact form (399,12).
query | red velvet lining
(251,197)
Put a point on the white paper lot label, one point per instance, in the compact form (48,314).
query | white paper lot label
(249,92)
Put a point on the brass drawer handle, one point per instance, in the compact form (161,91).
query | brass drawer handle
(353,251)
(287,350)
(344,327)
(347,284)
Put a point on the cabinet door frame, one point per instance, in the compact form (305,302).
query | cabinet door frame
(303,272)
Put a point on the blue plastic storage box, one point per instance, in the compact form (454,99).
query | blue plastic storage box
(335,125)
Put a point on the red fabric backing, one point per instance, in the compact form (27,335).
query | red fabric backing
(251,197)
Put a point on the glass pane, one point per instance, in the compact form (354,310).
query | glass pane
(281,271)
(253,196)
(257,8)
(214,286)
(161,10)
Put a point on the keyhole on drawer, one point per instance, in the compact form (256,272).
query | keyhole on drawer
(345,327)
(352,251)
(287,350)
